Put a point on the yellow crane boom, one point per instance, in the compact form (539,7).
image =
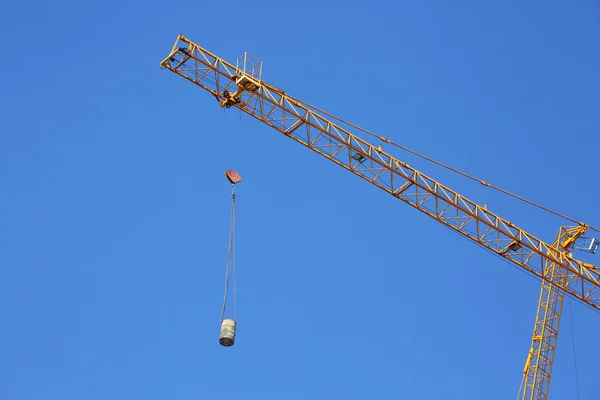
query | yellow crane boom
(241,86)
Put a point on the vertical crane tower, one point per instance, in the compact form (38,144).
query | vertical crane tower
(241,86)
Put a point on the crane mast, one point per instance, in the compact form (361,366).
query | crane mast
(538,366)
(241,86)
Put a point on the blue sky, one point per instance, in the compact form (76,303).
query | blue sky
(113,235)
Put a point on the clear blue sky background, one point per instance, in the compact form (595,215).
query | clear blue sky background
(113,230)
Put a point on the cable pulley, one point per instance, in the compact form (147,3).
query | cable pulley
(228,325)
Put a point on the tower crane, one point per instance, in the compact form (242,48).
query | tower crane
(241,86)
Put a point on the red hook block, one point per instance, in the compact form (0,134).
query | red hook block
(233,176)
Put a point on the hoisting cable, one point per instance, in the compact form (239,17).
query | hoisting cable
(484,183)
(231,264)
(225,135)
(228,325)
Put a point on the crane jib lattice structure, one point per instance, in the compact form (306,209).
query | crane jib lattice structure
(241,86)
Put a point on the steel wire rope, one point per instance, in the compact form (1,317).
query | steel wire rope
(484,183)
(225,136)
(231,260)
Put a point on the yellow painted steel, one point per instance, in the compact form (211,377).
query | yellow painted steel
(538,366)
(337,141)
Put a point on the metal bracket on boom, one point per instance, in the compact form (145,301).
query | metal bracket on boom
(231,98)
(247,78)
(513,246)
(244,83)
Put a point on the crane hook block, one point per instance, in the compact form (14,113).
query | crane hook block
(233,176)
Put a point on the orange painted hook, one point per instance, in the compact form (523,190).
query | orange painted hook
(233,176)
